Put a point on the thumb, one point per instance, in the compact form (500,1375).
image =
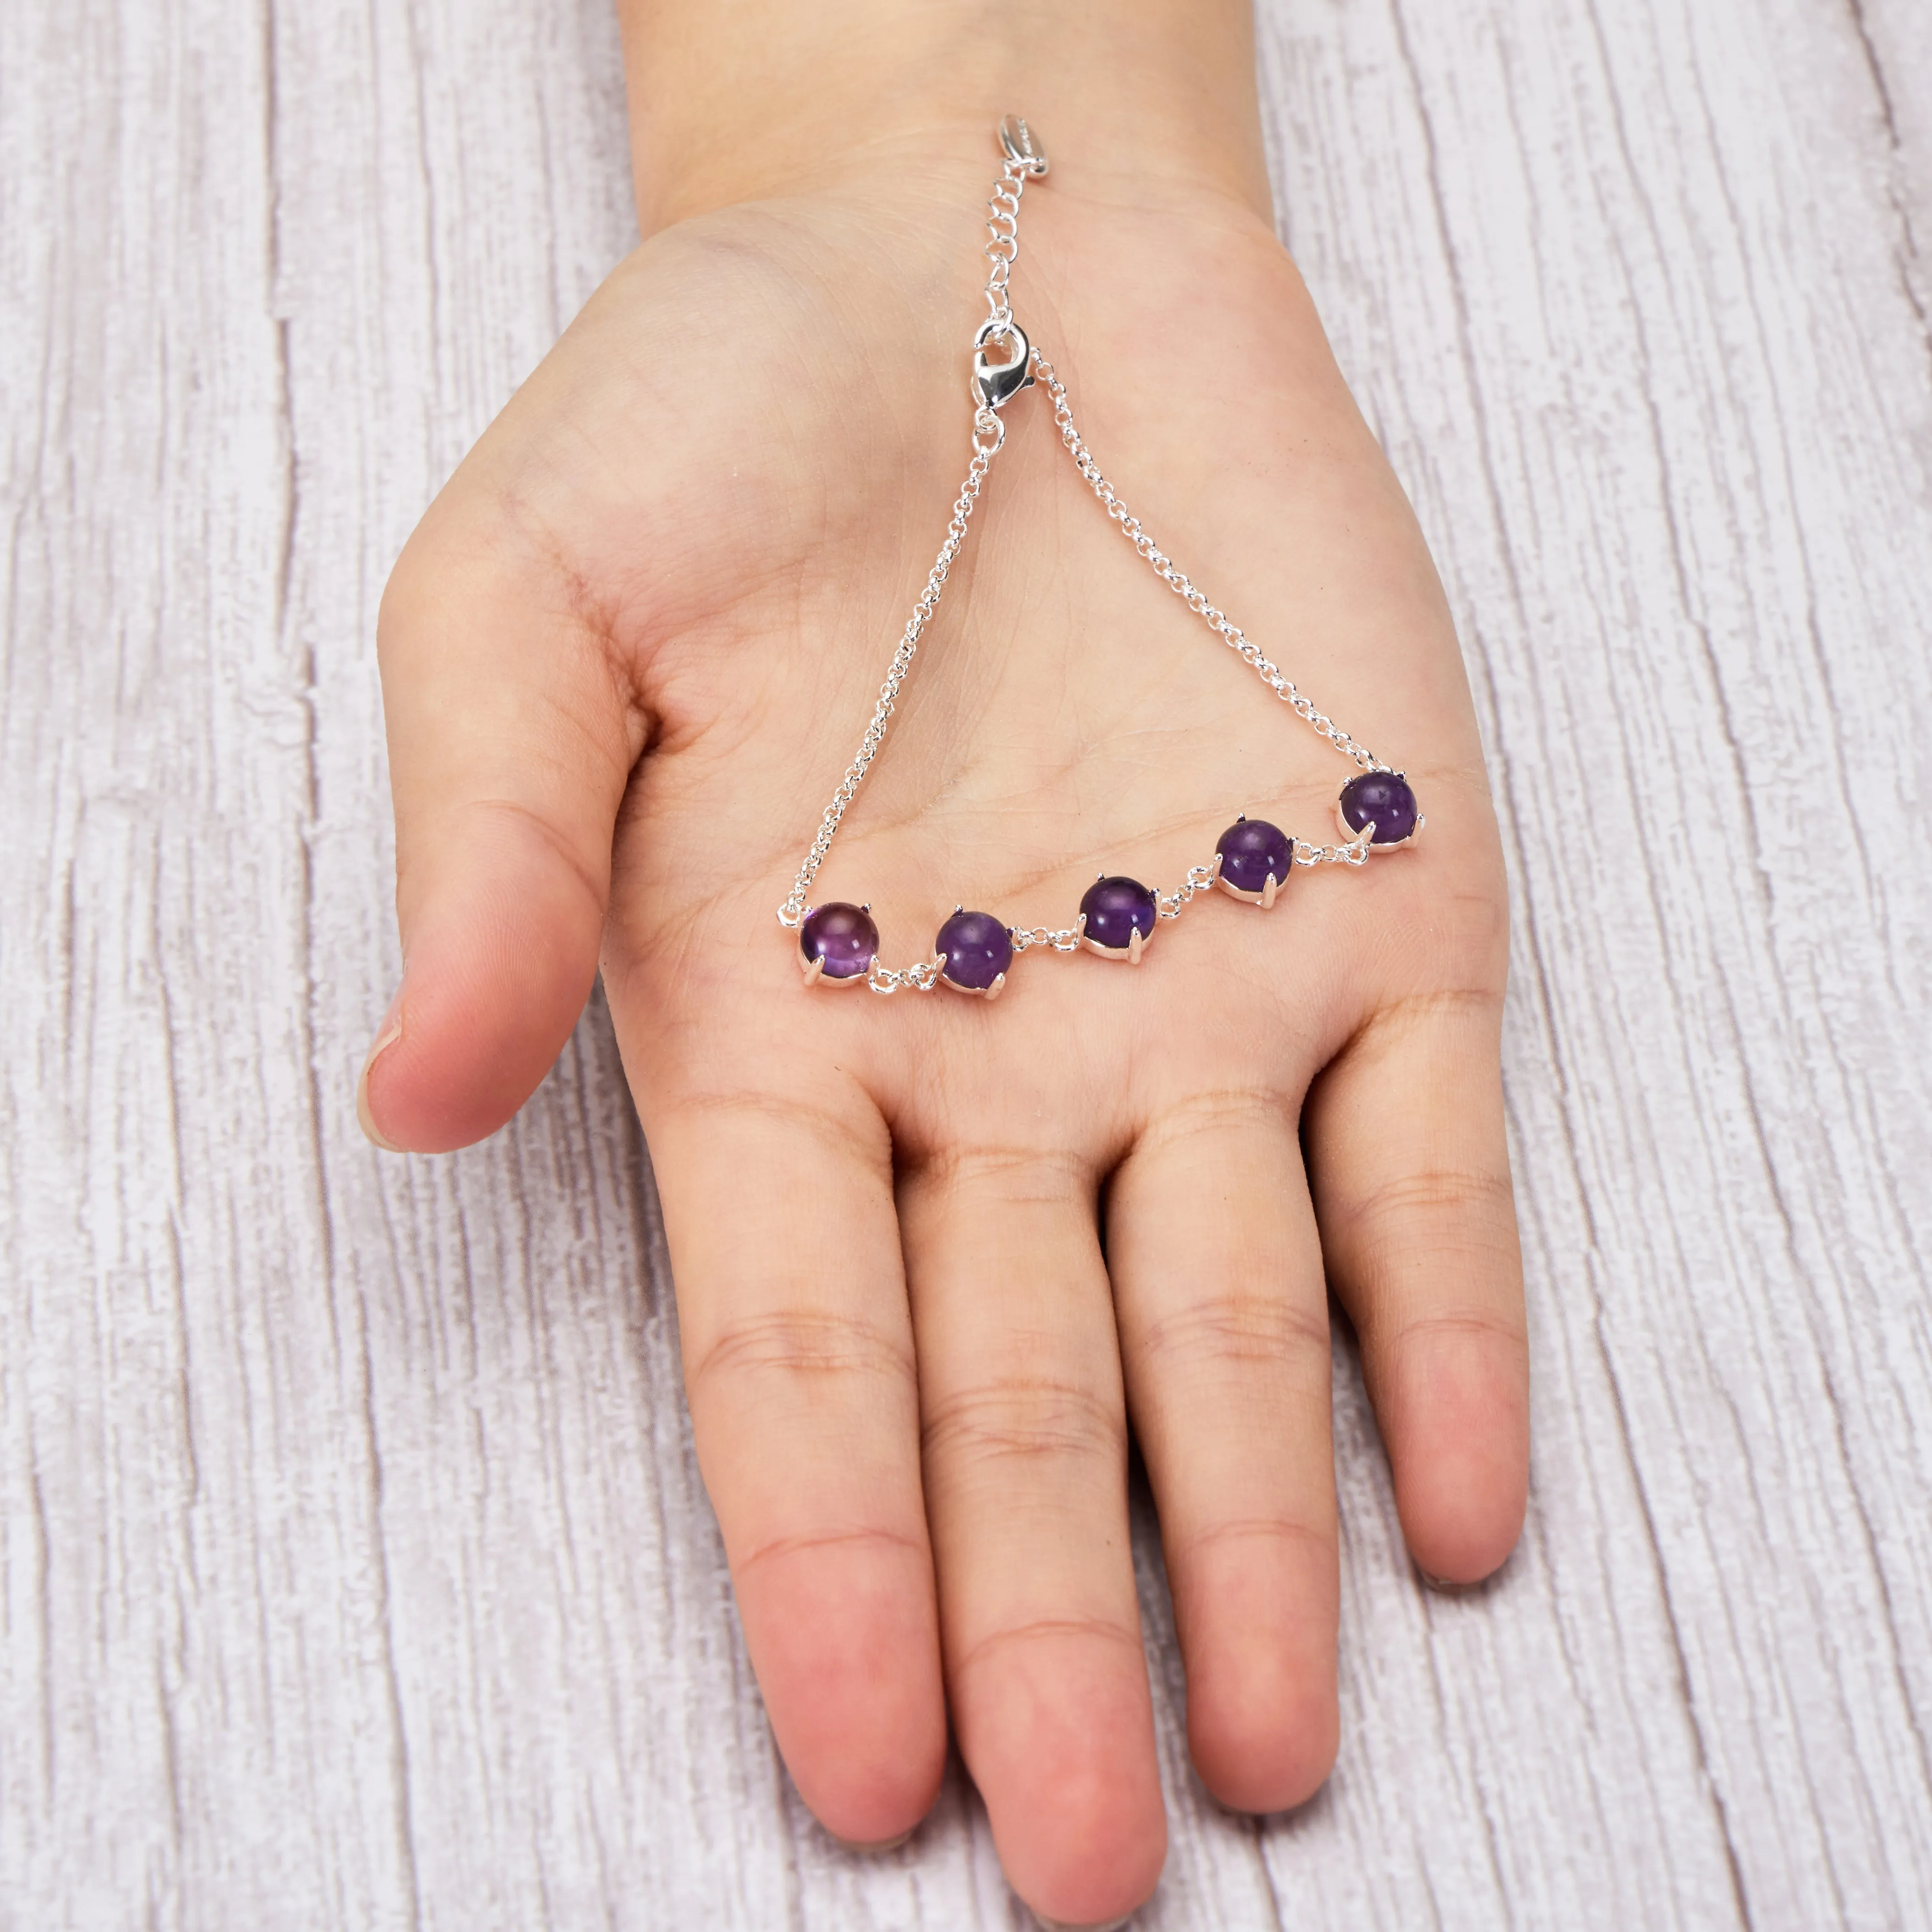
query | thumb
(512,732)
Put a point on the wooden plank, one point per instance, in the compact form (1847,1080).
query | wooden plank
(189,1552)
(1652,252)
(356,1568)
(1898,53)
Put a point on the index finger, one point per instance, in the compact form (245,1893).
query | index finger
(798,1355)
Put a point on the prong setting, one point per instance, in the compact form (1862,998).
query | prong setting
(1381,797)
(1117,917)
(1251,849)
(1270,890)
(838,943)
(973,952)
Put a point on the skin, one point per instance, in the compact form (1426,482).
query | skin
(935,1256)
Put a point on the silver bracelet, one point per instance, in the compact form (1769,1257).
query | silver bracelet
(839,943)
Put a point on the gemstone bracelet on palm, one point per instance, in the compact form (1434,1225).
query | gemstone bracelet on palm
(974,952)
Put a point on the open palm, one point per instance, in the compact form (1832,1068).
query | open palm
(933,1255)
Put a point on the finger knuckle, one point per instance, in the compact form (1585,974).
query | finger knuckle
(1231,1331)
(1292,1536)
(1430,1192)
(1003,1642)
(1004,1175)
(797,1343)
(1450,1223)
(1487,1328)
(1028,1420)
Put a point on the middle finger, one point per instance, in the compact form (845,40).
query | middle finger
(1025,1461)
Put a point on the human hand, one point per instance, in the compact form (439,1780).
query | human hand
(932,1253)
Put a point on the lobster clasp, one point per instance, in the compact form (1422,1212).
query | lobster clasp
(996,384)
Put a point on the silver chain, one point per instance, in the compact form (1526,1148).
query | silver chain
(985,424)
(1195,599)
(993,388)
(1002,234)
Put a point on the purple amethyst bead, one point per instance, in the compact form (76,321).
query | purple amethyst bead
(1252,852)
(1384,798)
(1116,909)
(977,949)
(843,936)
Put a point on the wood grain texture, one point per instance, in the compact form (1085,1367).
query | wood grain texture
(356,1571)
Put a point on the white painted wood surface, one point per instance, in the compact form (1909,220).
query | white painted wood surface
(356,1571)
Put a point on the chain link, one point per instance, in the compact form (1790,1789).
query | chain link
(1198,880)
(921,978)
(1003,216)
(1065,939)
(1354,854)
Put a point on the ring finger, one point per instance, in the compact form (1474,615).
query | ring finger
(1224,1336)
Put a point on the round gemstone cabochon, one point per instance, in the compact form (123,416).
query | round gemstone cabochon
(1116,908)
(977,949)
(843,936)
(1384,798)
(1252,852)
